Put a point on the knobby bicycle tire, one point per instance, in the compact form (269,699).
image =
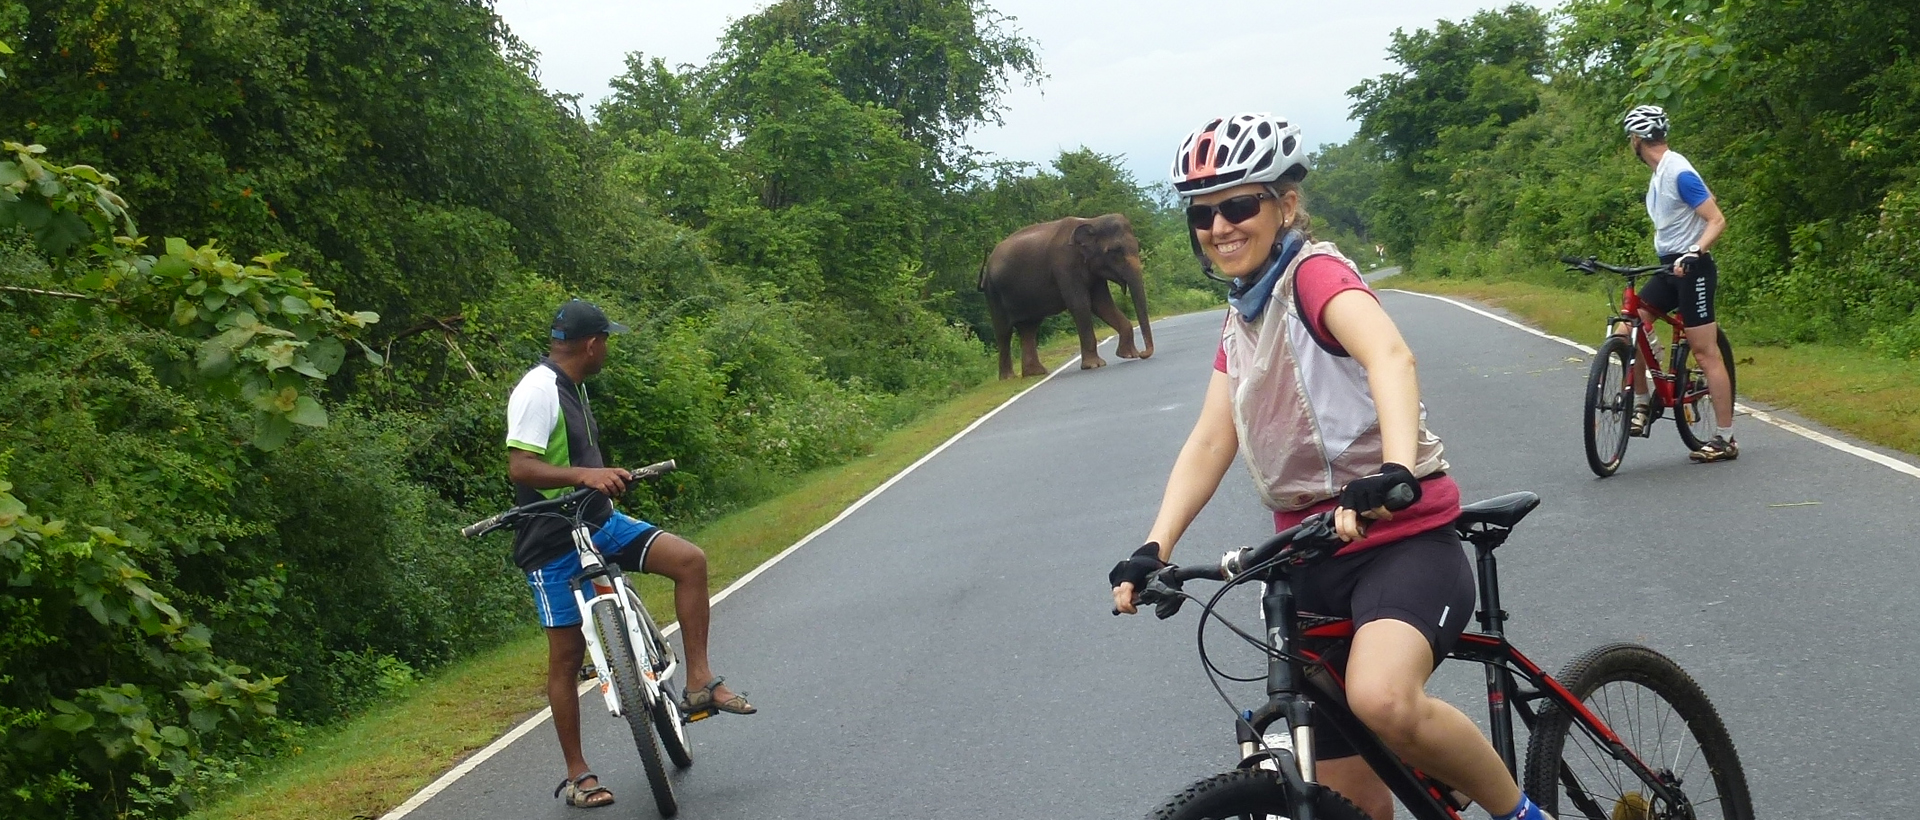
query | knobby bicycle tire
(622,663)
(1687,378)
(667,721)
(1710,778)
(1254,793)
(1608,405)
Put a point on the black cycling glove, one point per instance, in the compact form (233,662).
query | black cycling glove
(1144,562)
(1369,492)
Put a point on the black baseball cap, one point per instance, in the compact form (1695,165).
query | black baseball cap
(579,319)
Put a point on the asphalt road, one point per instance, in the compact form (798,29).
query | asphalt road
(946,651)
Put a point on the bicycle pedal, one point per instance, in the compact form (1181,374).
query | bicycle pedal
(703,714)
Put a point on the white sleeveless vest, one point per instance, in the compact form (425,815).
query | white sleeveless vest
(1305,416)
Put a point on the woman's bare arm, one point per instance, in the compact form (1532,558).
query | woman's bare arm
(1363,328)
(1196,473)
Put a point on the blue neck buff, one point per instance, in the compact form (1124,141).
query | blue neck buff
(1249,295)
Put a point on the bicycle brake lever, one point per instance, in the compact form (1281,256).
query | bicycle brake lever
(1317,538)
(1166,593)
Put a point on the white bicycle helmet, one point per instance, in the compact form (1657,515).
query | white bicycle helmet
(1648,122)
(1236,150)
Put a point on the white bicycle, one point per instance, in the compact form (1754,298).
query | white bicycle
(631,658)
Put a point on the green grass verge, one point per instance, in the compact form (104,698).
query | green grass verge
(366,766)
(1874,398)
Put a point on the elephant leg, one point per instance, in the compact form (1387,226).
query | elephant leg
(1110,313)
(1002,338)
(1030,351)
(1081,306)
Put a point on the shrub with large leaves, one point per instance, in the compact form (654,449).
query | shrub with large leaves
(166,697)
(266,332)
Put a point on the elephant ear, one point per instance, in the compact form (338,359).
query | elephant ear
(1083,239)
(1083,234)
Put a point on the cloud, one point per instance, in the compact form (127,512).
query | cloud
(1126,77)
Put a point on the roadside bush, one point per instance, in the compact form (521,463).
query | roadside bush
(1854,282)
(378,581)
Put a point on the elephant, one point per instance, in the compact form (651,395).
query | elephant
(1043,269)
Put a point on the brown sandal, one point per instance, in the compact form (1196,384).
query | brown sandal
(580,796)
(700,704)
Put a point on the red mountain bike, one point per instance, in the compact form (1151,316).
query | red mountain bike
(1609,397)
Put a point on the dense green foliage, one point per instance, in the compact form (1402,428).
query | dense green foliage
(229,490)
(1496,147)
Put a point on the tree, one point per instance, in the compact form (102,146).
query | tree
(941,65)
(1458,87)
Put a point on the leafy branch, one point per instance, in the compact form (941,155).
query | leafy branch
(1689,56)
(89,569)
(266,332)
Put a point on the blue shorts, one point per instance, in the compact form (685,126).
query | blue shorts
(624,540)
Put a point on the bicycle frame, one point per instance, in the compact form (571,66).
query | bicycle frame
(1663,379)
(1309,696)
(608,583)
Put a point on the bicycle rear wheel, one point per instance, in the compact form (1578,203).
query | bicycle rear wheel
(1696,417)
(623,664)
(1609,399)
(1250,793)
(1662,717)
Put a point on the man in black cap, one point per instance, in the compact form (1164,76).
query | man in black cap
(553,447)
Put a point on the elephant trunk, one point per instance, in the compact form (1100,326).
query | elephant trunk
(1139,288)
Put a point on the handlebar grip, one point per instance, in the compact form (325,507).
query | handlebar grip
(1399,498)
(481,527)
(656,469)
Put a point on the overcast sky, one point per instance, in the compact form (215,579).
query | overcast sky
(1125,77)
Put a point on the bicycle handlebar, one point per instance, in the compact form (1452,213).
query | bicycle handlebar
(1310,540)
(489,524)
(1592,264)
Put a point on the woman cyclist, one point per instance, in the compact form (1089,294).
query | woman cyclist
(1315,387)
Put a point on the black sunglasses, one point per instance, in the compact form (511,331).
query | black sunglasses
(1237,210)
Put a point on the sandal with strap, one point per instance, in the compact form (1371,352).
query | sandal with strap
(579,796)
(700,705)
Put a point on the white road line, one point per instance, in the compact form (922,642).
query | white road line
(1881,459)
(1496,317)
(467,766)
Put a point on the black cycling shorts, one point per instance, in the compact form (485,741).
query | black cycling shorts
(1691,294)
(1423,580)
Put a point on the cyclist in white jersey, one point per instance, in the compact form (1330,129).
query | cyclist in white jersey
(1686,222)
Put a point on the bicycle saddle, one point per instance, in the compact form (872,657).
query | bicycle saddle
(1502,511)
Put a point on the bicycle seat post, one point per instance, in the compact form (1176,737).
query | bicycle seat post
(1500,684)
(1492,618)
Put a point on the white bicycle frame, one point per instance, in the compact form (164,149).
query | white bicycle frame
(614,587)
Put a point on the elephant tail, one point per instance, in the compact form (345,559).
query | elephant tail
(981,284)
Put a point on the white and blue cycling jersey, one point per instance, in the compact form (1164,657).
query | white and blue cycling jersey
(1672,195)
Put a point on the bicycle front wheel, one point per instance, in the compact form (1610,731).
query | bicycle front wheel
(1662,717)
(622,663)
(1609,400)
(667,721)
(1696,415)
(1250,793)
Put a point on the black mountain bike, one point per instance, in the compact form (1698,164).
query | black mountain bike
(1622,733)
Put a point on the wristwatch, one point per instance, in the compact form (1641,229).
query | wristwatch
(1695,250)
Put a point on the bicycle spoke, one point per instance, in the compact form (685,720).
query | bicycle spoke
(1651,731)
